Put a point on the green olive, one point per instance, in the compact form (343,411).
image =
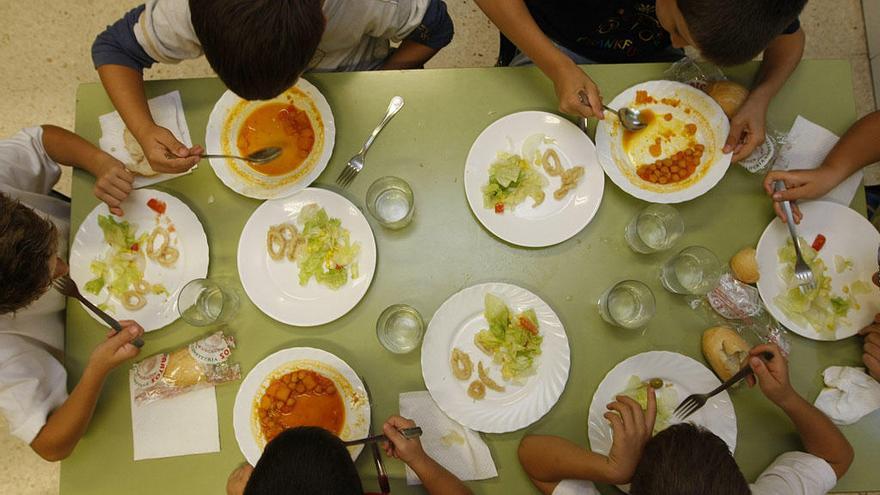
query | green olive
(656,383)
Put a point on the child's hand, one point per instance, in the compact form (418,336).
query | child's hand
(117,348)
(238,479)
(632,428)
(871,355)
(165,153)
(407,450)
(747,128)
(577,93)
(772,375)
(112,182)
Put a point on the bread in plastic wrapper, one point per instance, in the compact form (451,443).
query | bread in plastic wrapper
(738,306)
(202,363)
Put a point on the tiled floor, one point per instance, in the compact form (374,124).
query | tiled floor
(44,54)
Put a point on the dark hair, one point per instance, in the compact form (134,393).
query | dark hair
(258,48)
(27,244)
(732,32)
(305,460)
(687,460)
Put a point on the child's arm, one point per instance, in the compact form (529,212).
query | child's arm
(571,83)
(548,460)
(113,182)
(238,479)
(435,478)
(409,55)
(857,148)
(871,350)
(747,127)
(435,31)
(67,424)
(818,434)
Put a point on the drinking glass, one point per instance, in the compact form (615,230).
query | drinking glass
(694,270)
(400,328)
(653,229)
(204,302)
(390,201)
(627,304)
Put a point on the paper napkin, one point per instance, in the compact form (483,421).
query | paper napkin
(849,394)
(167,112)
(458,449)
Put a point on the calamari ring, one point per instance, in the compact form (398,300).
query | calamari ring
(288,231)
(484,377)
(276,244)
(476,390)
(142,286)
(552,169)
(133,301)
(152,251)
(462,367)
(168,257)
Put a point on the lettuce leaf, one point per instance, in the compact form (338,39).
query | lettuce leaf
(512,341)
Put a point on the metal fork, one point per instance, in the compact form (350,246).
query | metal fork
(802,272)
(66,286)
(381,474)
(356,164)
(413,432)
(694,402)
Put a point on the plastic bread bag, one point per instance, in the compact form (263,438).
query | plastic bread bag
(736,305)
(202,363)
(698,75)
(764,157)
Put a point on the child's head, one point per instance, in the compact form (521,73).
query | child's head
(305,460)
(687,460)
(727,32)
(28,255)
(258,48)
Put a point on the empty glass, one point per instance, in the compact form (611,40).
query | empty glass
(390,201)
(204,302)
(627,304)
(653,229)
(694,270)
(399,328)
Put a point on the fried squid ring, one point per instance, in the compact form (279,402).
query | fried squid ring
(476,390)
(484,377)
(276,244)
(133,301)
(142,286)
(553,169)
(154,252)
(462,367)
(168,257)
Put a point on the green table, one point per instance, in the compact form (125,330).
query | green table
(446,249)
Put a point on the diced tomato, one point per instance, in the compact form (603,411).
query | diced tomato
(528,325)
(157,205)
(499,207)
(135,247)
(818,242)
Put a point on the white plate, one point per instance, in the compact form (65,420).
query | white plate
(274,285)
(687,377)
(227,118)
(847,234)
(246,423)
(454,325)
(160,310)
(553,221)
(712,134)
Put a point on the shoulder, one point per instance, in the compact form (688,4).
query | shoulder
(796,473)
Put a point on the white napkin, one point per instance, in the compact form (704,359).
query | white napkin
(805,148)
(182,425)
(167,112)
(458,449)
(849,394)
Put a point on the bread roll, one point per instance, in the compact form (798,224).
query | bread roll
(139,164)
(725,350)
(744,266)
(729,95)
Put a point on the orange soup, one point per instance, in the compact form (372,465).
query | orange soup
(300,398)
(282,125)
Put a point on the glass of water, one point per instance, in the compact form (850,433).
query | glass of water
(400,328)
(653,229)
(694,270)
(390,201)
(204,302)
(627,304)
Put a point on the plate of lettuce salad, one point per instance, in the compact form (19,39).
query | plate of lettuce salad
(514,196)
(681,376)
(510,336)
(840,246)
(307,259)
(134,266)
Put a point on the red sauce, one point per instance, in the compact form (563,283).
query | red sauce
(282,125)
(300,398)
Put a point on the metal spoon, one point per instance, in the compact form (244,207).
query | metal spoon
(260,156)
(629,117)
